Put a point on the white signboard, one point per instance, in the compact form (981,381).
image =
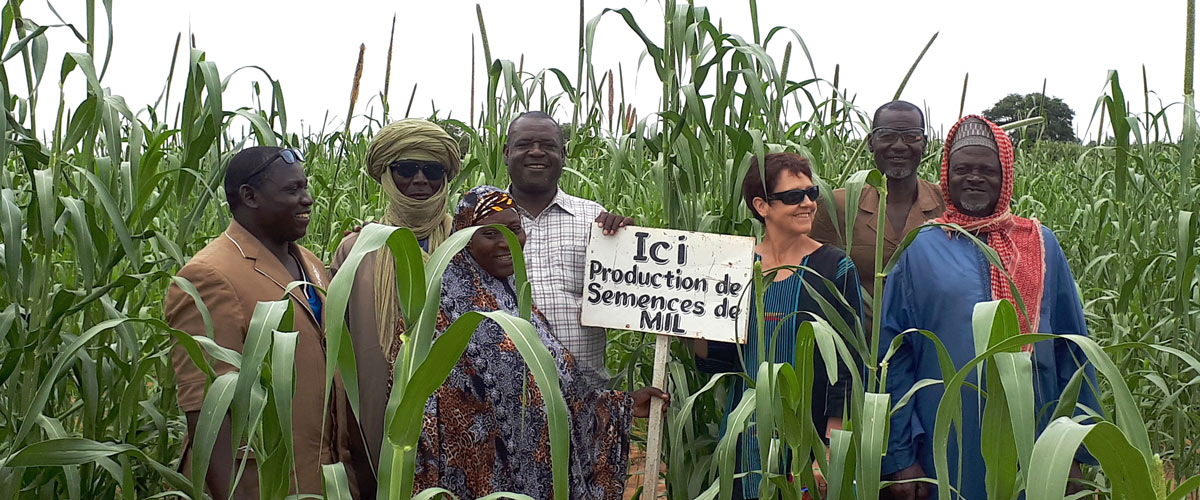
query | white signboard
(669,282)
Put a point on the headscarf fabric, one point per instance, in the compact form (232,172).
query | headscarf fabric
(422,140)
(412,139)
(466,286)
(479,203)
(409,139)
(1017,240)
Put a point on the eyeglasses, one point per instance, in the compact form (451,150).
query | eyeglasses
(888,135)
(433,170)
(289,156)
(796,196)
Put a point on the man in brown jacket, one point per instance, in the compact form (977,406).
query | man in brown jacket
(252,261)
(898,142)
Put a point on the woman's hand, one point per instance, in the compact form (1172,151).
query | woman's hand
(822,485)
(642,398)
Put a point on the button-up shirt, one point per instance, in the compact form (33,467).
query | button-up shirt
(556,256)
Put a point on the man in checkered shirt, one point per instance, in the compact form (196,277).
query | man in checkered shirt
(557,226)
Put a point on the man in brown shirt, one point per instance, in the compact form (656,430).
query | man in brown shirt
(898,142)
(252,261)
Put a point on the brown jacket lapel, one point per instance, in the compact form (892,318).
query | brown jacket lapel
(869,202)
(268,265)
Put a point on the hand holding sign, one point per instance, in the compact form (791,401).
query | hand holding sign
(610,223)
(642,399)
(666,282)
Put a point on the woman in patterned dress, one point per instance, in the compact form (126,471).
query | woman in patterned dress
(786,205)
(485,428)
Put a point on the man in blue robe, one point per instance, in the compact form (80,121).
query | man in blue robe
(936,285)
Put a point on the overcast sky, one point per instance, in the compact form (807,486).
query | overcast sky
(311,47)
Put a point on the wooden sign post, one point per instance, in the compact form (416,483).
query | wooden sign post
(670,283)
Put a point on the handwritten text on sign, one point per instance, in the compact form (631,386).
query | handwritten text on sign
(670,282)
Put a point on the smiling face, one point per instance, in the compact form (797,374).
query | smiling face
(783,219)
(534,155)
(897,159)
(281,204)
(490,248)
(975,178)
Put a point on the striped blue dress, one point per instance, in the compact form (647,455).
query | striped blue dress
(782,298)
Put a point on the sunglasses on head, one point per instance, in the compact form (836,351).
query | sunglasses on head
(408,168)
(796,196)
(887,135)
(288,155)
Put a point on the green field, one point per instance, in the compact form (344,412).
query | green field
(100,208)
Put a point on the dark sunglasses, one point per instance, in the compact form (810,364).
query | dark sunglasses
(887,135)
(289,156)
(796,196)
(408,168)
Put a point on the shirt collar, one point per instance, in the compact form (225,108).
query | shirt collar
(869,199)
(929,196)
(562,200)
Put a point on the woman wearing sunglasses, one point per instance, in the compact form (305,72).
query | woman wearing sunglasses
(413,161)
(782,196)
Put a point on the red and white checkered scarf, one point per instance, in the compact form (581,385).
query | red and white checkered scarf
(1017,240)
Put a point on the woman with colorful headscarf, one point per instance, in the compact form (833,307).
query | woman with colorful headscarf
(485,428)
(413,160)
(935,286)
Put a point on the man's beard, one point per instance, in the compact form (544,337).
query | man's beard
(899,173)
(973,207)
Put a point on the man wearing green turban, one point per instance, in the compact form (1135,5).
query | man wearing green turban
(413,160)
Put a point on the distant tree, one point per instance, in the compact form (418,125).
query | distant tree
(1013,107)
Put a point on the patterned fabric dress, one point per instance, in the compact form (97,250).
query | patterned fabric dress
(485,429)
